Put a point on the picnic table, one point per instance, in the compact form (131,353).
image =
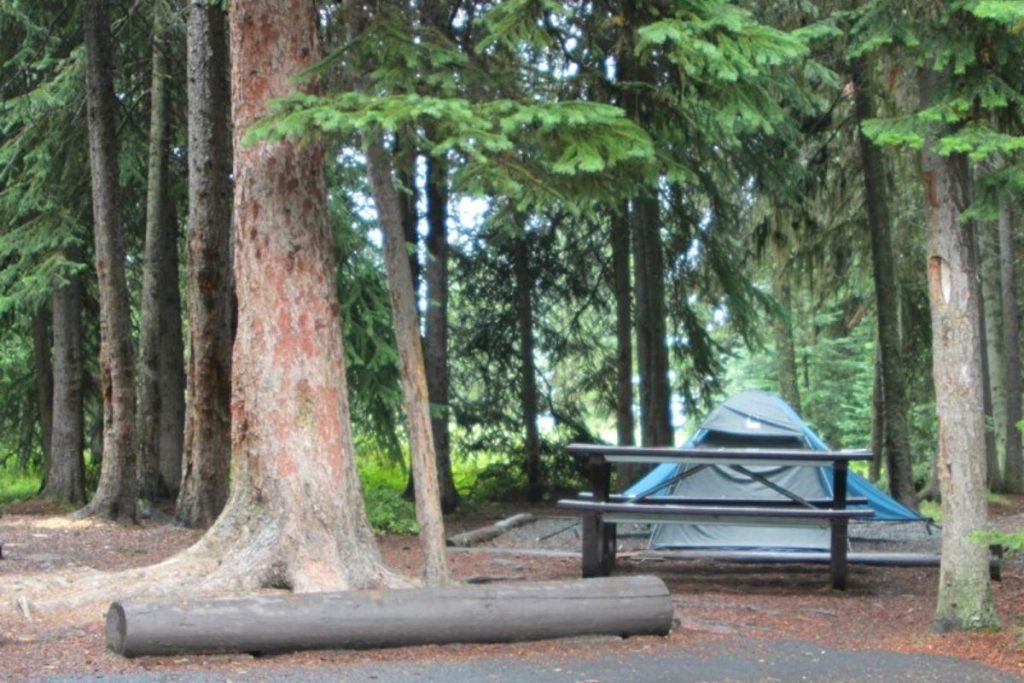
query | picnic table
(600,510)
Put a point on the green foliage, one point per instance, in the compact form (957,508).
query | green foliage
(388,512)
(17,484)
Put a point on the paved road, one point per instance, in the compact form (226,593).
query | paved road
(783,662)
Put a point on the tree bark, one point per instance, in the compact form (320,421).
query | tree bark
(44,381)
(436,337)
(172,367)
(414,382)
(896,435)
(1013,472)
(651,342)
(648,265)
(117,493)
(295,516)
(159,287)
(785,347)
(528,371)
(989,310)
(624,422)
(65,473)
(965,595)
(204,477)
(877,420)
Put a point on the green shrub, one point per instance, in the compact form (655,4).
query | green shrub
(17,484)
(388,512)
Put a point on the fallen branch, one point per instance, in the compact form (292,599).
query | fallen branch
(486,533)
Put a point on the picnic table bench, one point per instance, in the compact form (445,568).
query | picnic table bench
(601,510)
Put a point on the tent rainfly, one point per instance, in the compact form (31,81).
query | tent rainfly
(756,419)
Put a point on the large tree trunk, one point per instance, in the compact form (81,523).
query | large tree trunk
(204,477)
(295,516)
(527,368)
(436,337)
(44,380)
(117,493)
(1013,467)
(965,595)
(65,472)
(896,435)
(414,381)
(159,284)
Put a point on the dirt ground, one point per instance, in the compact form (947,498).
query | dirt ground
(883,609)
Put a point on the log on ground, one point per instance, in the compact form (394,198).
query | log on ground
(491,531)
(622,606)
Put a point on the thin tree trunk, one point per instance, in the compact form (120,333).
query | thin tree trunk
(44,381)
(652,348)
(172,367)
(436,337)
(989,309)
(65,474)
(965,595)
(117,493)
(410,354)
(157,276)
(785,347)
(528,378)
(624,423)
(648,268)
(877,420)
(1013,472)
(896,449)
(204,477)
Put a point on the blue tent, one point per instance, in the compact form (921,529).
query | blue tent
(756,419)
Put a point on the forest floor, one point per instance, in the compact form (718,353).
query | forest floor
(716,604)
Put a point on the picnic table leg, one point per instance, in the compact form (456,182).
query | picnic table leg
(598,536)
(840,535)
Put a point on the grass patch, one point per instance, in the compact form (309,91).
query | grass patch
(929,508)
(17,485)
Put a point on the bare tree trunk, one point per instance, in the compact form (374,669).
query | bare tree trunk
(204,477)
(877,420)
(896,435)
(172,367)
(624,423)
(159,279)
(44,381)
(1013,472)
(410,354)
(528,377)
(651,344)
(785,347)
(436,337)
(118,487)
(65,474)
(965,595)
(989,309)
(295,515)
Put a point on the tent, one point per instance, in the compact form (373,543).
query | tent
(756,419)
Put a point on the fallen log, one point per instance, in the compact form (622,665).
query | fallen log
(622,606)
(486,533)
